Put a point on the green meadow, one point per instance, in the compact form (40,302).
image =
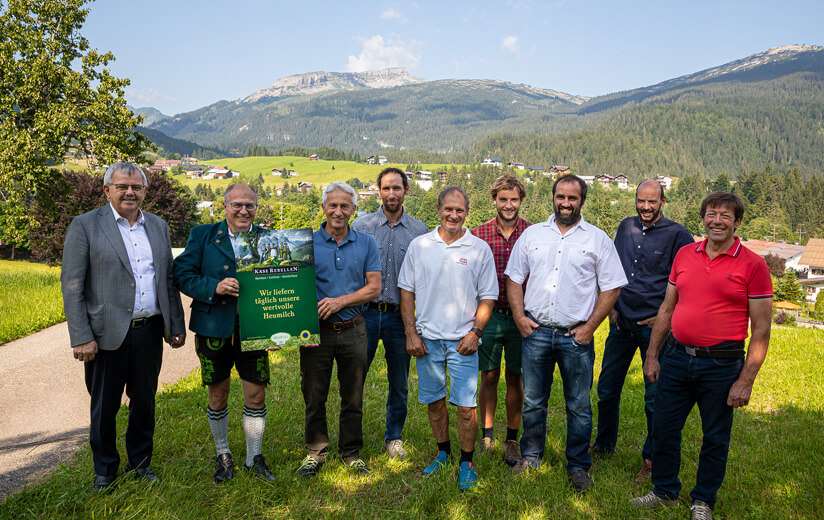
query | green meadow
(30,298)
(774,469)
(316,172)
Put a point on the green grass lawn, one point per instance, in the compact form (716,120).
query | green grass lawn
(30,298)
(774,468)
(316,172)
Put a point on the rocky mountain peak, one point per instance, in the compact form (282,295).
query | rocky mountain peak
(314,82)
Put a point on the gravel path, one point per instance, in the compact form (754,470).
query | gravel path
(44,405)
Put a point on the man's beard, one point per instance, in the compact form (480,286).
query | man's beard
(567,220)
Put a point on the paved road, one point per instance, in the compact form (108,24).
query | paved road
(44,405)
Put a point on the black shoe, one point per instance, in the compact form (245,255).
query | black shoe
(259,467)
(101,482)
(357,465)
(581,480)
(147,475)
(225,468)
(310,466)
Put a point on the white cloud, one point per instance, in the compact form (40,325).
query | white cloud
(509,43)
(378,54)
(392,14)
(147,96)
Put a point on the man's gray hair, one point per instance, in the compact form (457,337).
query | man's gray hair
(233,186)
(339,186)
(127,168)
(449,189)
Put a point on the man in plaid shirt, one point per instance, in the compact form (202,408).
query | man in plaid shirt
(501,333)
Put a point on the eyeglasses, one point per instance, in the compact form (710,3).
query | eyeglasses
(137,188)
(237,206)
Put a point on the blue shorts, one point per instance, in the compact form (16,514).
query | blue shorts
(432,368)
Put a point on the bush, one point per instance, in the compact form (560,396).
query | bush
(76,193)
(780,318)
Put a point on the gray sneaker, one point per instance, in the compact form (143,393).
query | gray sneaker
(651,501)
(700,511)
(522,466)
(395,449)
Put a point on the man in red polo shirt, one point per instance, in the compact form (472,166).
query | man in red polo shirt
(714,288)
(501,333)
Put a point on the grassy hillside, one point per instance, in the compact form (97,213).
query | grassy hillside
(774,469)
(316,172)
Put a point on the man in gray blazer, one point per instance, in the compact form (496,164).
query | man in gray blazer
(120,302)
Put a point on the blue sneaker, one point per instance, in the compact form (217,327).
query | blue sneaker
(440,461)
(467,476)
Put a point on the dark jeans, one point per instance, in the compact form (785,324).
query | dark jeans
(685,381)
(388,326)
(619,350)
(348,348)
(540,351)
(135,365)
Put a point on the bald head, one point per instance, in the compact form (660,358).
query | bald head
(649,199)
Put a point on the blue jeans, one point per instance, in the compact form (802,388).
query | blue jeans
(388,326)
(683,382)
(618,353)
(540,351)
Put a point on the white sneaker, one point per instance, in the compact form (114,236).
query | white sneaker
(395,449)
(651,501)
(700,511)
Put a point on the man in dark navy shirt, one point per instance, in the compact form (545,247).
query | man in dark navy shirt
(646,245)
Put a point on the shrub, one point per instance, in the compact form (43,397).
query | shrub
(780,318)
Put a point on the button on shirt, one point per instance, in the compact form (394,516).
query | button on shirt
(140,258)
(646,254)
(341,268)
(448,281)
(501,249)
(393,242)
(565,271)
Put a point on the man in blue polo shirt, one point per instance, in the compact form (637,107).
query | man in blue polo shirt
(646,245)
(348,274)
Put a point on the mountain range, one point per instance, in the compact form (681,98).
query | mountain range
(768,107)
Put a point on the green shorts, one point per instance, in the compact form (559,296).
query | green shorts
(219,355)
(500,335)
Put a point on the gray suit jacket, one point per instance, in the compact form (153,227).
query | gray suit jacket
(98,284)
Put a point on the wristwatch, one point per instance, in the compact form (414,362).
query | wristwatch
(478,332)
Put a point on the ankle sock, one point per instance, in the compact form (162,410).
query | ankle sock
(445,446)
(487,432)
(512,434)
(466,456)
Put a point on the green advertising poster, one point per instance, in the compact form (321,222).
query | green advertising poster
(278,305)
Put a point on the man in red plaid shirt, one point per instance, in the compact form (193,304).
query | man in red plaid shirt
(501,333)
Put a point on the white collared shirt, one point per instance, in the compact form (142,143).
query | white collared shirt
(566,271)
(140,257)
(448,281)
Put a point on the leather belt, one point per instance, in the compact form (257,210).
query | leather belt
(138,323)
(725,350)
(385,306)
(563,329)
(341,325)
(506,311)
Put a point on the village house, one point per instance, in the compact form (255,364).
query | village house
(442,177)
(314,157)
(520,166)
(305,187)
(559,170)
(604,180)
(538,169)
(665,180)
(377,159)
(492,161)
(621,181)
(424,175)
(589,179)
(812,260)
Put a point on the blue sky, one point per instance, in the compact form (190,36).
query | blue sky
(182,55)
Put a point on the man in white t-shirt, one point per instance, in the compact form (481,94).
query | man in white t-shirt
(575,277)
(448,286)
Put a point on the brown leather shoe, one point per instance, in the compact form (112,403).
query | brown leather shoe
(645,472)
